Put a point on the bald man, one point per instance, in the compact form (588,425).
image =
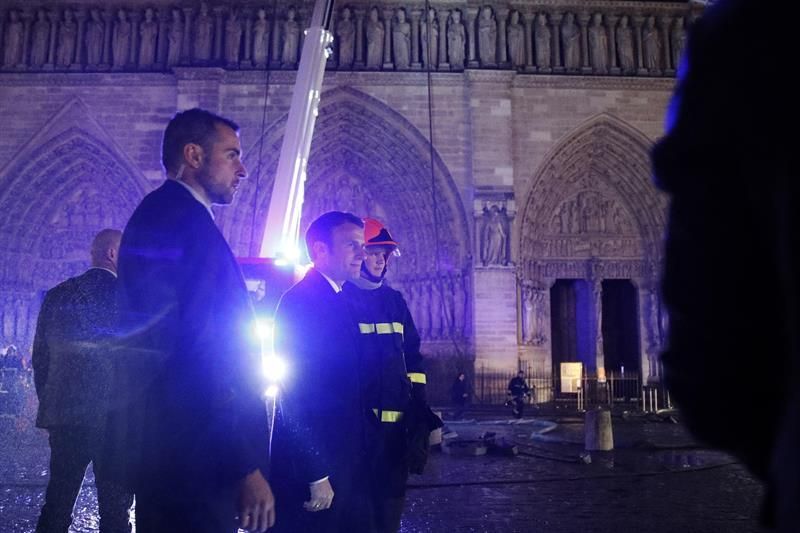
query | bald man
(72,372)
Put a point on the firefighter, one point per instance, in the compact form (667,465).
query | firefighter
(393,380)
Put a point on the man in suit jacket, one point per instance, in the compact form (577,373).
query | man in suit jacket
(318,458)
(72,372)
(196,421)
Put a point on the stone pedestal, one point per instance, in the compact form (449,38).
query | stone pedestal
(598,433)
(495,318)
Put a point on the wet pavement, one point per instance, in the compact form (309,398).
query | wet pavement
(656,480)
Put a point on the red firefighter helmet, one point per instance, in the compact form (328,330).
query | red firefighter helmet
(375,234)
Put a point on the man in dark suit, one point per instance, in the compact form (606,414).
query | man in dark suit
(196,441)
(318,460)
(72,372)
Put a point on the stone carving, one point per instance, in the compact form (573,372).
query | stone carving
(516,41)
(678,40)
(542,38)
(261,38)
(456,39)
(40,41)
(627,62)
(13,40)
(203,34)
(94,39)
(375,35)
(148,36)
(401,41)
(493,238)
(233,38)
(346,32)
(651,46)
(429,32)
(121,40)
(175,39)
(590,212)
(67,37)
(534,316)
(598,44)
(291,39)
(570,43)
(487,37)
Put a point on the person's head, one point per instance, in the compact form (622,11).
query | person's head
(346,13)
(456,16)
(203,150)
(401,15)
(373,14)
(378,246)
(335,243)
(520,374)
(461,376)
(105,249)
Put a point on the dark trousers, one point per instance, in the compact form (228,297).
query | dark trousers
(71,451)
(389,475)
(211,513)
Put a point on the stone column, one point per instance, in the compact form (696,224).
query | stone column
(502,38)
(164,16)
(387,39)
(558,61)
(611,21)
(597,292)
(583,22)
(275,53)
(27,21)
(54,18)
(108,18)
(3,16)
(247,15)
(416,14)
(528,18)
(188,26)
(472,35)
(444,17)
(135,17)
(359,44)
(638,21)
(664,23)
(80,16)
(219,11)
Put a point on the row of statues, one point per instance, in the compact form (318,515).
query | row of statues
(365,38)
(439,304)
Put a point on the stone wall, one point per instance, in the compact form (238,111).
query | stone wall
(532,175)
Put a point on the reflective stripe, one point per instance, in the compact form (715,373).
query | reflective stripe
(417,377)
(381,328)
(389,416)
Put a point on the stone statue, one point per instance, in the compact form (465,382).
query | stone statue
(346,33)
(148,36)
(677,41)
(261,38)
(175,39)
(516,41)
(94,39)
(456,38)
(67,36)
(401,41)
(493,239)
(528,316)
(291,39)
(542,38)
(651,45)
(41,38)
(12,55)
(375,34)
(627,63)
(233,38)
(487,37)
(570,43)
(203,34)
(598,44)
(429,34)
(121,40)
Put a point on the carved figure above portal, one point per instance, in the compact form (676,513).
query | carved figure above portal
(494,237)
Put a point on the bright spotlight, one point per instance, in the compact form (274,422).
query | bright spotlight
(272,391)
(264,329)
(274,368)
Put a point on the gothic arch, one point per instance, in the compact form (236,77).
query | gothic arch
(384,160)
(592,198)
(68,182)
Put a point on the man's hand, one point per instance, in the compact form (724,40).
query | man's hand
(256,503)
(321,496)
